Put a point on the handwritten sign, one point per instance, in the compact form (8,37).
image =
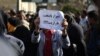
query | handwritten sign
(51,19)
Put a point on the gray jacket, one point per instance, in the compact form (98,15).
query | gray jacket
(11,46)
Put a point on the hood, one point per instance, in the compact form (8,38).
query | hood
(2,25)
(70,18)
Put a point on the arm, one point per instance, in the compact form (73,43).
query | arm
(65,40)
(21,45)
(78,40)
(64,36)
(35,37)
(17,43)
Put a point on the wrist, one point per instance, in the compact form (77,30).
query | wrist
(36,33)
(64,32)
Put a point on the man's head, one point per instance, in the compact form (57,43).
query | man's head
(12,12)
(21,14)
(92,17)
(84,14)
(12,24)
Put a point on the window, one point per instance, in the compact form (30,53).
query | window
(26,0)
(45,1)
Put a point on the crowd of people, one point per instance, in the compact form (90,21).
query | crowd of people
(21,35)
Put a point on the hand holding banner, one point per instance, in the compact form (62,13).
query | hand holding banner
(51,19)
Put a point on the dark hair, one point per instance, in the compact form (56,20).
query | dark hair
(84,12)
(21,11)
(93,15)
(14,21)
(28,15)
(67,17)
(32,25)
(12,12)
(70,18)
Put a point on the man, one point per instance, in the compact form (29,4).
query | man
(9,45)
(76,36)
(50,41)
(84,21)
(93,35)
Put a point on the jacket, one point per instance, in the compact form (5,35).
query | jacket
(57,43)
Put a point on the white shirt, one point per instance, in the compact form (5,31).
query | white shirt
(84,23)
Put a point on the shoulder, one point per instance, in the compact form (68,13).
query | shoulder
(58,32)
(75,29)
(14,39)
(21,28)
(76,26)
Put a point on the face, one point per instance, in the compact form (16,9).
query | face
(91,21)
(65,23)
(10,27)
(37,21)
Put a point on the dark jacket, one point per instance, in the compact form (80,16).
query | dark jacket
(93,41)
(24,34)
(76,36)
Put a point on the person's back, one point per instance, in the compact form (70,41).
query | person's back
(9,45)
(93,34)
(76,37)
(24,34)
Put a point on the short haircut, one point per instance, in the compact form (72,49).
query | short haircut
(84,12)
(13,12)
(93,15)
(14,21)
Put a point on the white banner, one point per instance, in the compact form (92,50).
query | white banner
(51,19)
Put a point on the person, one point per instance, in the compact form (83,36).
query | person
(21,15)
(13,22)
(22,32)
(76,35)
(28,17)
(5,15)
(77,17)
(12,25)
(32,26)
(9,45)
(50,42)
(84,21)
(93,35)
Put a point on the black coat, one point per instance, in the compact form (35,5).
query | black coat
(24,34)
(76,36)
